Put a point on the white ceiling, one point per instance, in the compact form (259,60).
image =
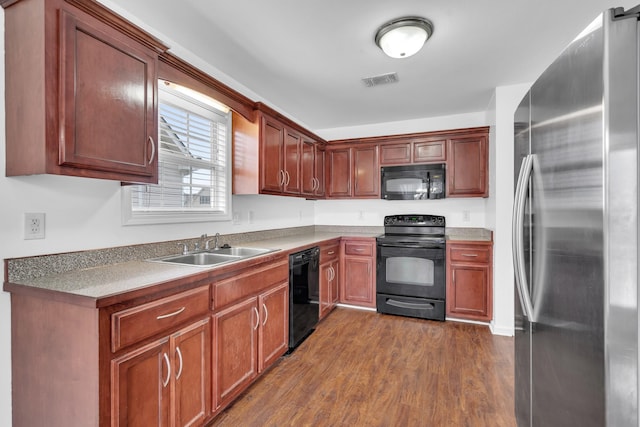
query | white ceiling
(307,58)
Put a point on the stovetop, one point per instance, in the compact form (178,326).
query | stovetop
(413,230)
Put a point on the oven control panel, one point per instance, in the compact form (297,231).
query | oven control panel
(413,220)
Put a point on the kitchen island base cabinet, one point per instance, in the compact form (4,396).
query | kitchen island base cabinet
(469,286)
(171,376)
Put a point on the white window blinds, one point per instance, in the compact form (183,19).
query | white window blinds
(194,162)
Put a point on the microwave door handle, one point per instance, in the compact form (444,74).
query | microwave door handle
(429,195)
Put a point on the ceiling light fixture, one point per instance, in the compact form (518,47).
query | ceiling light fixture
(403,37)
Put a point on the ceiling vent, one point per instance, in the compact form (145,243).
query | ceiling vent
(382,79)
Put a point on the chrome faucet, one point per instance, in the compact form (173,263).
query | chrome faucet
(216,240)
(185,248)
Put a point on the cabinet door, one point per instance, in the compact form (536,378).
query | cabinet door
(469,292)
(108,101)
(271,164)
(366,172)
(308,167)
(395,154)
(140,388)
(339,172)
(429,151)
(358,287)
(236,340)
(320,169)
(325,289)
(334,285)
(292,161)
(467,167)
(274,326)
(191,349)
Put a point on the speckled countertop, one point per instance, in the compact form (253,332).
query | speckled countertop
(103,273)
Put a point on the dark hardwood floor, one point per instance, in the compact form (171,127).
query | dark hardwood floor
(361,368)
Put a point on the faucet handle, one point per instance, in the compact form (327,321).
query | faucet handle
(207,244)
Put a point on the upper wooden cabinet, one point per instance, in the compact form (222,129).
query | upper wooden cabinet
(467,166)
(81,92)
(353,172)
(463,151)
(273,155)
(312,168)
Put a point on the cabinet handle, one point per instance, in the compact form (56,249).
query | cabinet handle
(166,359)
(175,313)
(358,249)
(280,177)
(179,357)
(257,318)
(333,273)
(153,149)
(314,184)
(331,252)
(286,174)
(266,314)
(470,255)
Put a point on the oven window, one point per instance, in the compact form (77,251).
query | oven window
(405,185)
(410,271)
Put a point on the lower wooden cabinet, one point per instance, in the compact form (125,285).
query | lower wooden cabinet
(250,334)
(358,279)
(166,382)
(469,280)
(329,277)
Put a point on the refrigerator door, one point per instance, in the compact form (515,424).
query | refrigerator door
(521,248)
(576,246)
(567,349)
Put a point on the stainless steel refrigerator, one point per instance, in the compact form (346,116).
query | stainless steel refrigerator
(575,233)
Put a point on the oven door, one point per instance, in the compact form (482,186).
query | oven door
(411,271)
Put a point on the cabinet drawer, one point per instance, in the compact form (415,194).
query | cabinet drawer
(329,253)
(471,254)
(250,283)
(358,248)
(144,321)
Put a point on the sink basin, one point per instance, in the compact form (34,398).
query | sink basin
(199,258)
(214,256)
(241,251)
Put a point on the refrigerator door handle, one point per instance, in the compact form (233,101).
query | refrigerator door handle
(517,235)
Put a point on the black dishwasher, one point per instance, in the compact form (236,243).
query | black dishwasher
(304,287)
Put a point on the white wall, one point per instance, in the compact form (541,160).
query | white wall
(499,207)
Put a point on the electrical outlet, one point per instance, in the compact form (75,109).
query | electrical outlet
(466,216)
(237,219)
(251,217)
(33,226)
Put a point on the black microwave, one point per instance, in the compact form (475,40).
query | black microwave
(412,182)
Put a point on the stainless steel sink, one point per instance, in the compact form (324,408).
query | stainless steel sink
(198,258)
(241,251)
(214,256)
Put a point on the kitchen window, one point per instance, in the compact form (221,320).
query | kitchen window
(194,166)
